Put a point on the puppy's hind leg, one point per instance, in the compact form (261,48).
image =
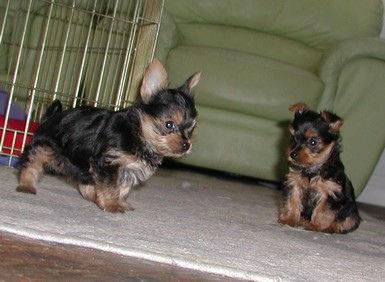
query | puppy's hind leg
(323,218)
(350,224)
(33,162)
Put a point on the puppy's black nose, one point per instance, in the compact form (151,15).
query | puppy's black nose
(185,146)
(294,155)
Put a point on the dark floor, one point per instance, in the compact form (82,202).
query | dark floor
(24,259)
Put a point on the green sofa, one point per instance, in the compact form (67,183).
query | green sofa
(258,57)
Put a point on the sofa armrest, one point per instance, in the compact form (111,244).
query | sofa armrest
(353,74)
(337,58)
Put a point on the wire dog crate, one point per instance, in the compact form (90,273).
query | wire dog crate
(83,52)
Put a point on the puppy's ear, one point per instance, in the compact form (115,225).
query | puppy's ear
(190,83)
(154,79)
(298,108)
(334,121)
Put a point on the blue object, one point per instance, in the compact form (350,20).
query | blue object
(7,160)
(16,112)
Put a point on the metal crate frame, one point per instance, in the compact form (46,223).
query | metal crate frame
(91,52)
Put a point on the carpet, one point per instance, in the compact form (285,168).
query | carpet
(200,222)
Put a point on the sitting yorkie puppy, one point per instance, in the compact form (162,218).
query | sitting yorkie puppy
(318,194)
(109,152)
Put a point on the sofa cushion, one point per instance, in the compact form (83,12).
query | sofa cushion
(242,82)
(252,42)
(239,143)
(319,24)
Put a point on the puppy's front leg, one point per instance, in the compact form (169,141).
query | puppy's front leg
(290,213)
(323,218)
(107,198)
(112,197)
(125,182)
(88,192)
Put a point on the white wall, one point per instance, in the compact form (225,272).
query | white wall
(374,192)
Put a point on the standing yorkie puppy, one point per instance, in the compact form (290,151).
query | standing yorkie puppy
(318,194)
(109,152)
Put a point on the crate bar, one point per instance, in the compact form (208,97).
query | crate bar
(127,78)
(105,55)
(49,58)
(4,21)
(96,13)
(74,52)
(37,75)
(95,50)
(128,55)
(84,54)
(99,49)
(15,75)
(109,66)
(63,51)
(157,30)
(12,148)
(13,44)
(37,88)
(105,92)
(121,46)
(141,55)
(91,66)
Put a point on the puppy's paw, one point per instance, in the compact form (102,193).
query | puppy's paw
(288,219)
(116,206)
(310,226)
(26,189)
(88,192)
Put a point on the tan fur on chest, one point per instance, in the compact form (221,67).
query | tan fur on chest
(132,168)
(318,184)
(325,187)
(297,181)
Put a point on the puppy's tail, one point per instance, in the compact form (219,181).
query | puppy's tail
(55,108)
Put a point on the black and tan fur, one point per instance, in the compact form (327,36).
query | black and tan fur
(317,193)
(108,152)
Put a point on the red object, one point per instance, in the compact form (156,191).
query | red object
(18,126)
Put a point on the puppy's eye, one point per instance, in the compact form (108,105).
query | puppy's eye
(169,124)
(313,142)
